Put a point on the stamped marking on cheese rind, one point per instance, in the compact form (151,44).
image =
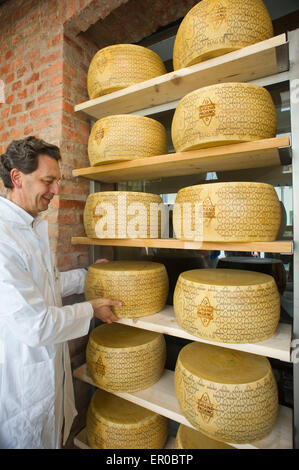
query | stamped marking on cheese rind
(206,408)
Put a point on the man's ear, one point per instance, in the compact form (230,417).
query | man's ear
(16,178)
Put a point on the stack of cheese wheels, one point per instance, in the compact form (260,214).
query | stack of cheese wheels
(125,137)
(227,212)
(123,214)
(116,67)
(213,28)
(141,286)
(227,305)
(188,438)
(221,114)
(230,396)
(115,423)
(121,358)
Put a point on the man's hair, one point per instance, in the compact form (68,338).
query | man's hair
(23,155)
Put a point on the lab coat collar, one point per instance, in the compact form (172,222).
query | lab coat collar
(14,214)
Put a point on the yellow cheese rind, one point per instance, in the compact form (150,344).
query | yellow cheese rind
(125,359)
(227,305)
(121,65)
(221,114)
(141,286)
(130,210)
(228,395)
(125,137)
(115,423)
(228,212)
(188,438)
(215,27)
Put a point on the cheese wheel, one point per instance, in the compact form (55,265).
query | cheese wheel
(215,27)
(115,423)
(121,65)
(121,358)
(227,305)
(141,286)
(123,214)
(228,395)
(227,212)
(125,137)
(188,438)
(221,114)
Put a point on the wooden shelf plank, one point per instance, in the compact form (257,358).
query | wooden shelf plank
(257,154)
(161,398)
(81,441)
(172,243)
(277,347)
(247,64)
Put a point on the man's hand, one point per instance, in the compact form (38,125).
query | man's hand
(102,260)
(102,310)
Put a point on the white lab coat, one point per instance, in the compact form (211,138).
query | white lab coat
(35,373)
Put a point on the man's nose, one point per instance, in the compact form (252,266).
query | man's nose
(54,188)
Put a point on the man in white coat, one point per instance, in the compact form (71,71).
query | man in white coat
(36,389)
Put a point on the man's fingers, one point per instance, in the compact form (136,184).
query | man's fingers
(102,260)
(115,303)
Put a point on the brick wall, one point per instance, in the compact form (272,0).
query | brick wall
(44,59)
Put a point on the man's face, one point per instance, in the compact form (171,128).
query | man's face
(40,186)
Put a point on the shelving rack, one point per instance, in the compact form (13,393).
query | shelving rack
(269,62)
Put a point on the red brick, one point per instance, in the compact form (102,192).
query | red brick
(56,80)
(21,71)
(15,133)
(37,113)
(43,124)
(50,95)
(58,67)
(9,78)
(16,85)
(30,104)
(69,204)
(34,78)
(4,70)
(57,106)
(70,70)
(16,63)
(28,130)
(57,39)
(68,107)
(17,108)
(8,55)
(12,121)
(4,137)
(23,118)
(9,99)
(5,113)
(22,94)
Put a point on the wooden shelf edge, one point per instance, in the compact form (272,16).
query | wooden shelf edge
(276,347)
(265,247)
(161,398)
(80,441)
(255,154)
(227,67)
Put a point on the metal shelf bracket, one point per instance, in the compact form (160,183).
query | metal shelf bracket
(295,351)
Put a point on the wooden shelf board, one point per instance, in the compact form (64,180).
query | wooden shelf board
(81,441)
(161,398)
(172,243)
(256,154)
(246,64)
(277,347)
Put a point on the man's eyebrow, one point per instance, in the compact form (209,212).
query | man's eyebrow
(51,177)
